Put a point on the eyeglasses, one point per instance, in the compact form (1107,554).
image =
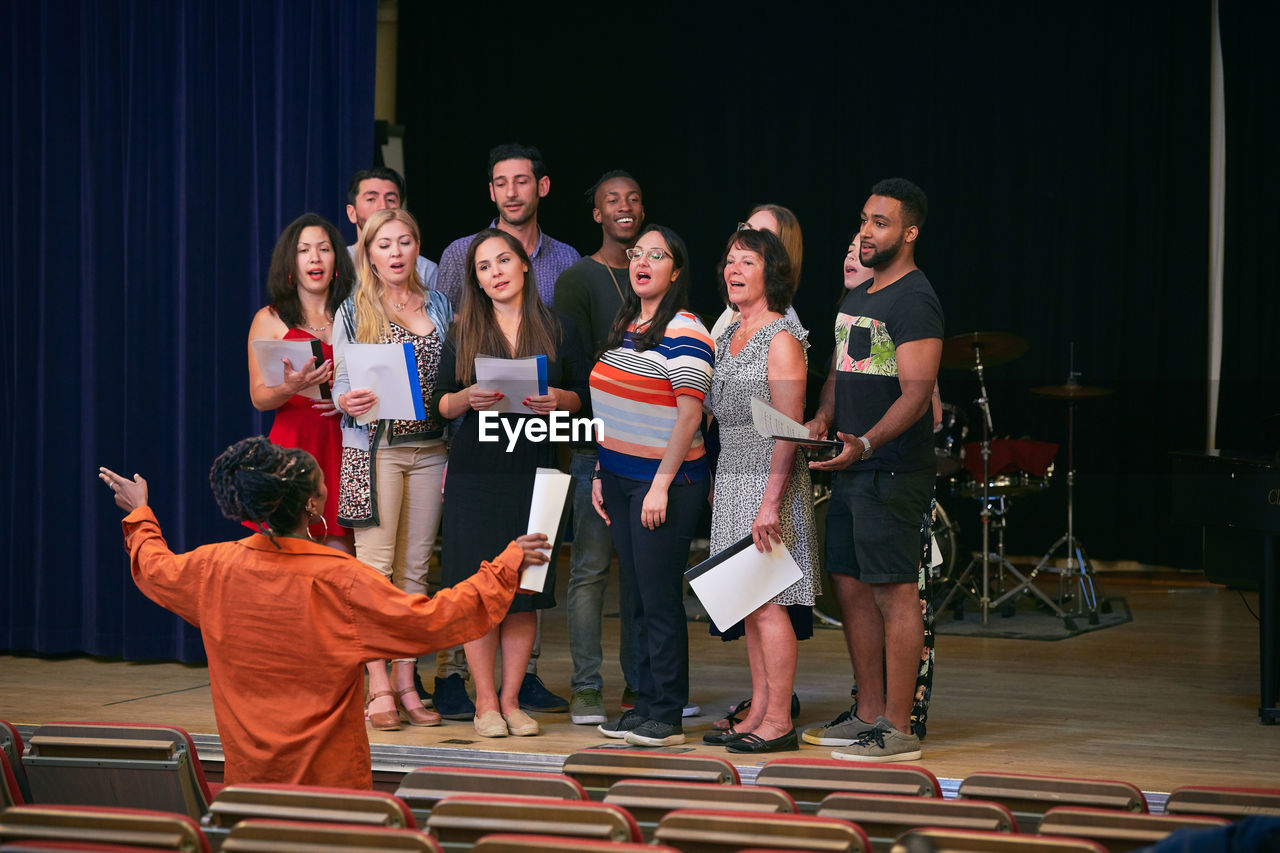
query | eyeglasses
(654,255)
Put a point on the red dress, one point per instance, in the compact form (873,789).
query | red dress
(297,424)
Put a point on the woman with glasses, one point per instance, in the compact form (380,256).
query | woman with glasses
(648,388)
(783,223)
(490,484)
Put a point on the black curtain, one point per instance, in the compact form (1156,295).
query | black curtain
(1064,149)
(153,153)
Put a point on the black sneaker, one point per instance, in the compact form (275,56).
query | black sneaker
(534,696)
(451,699)
(656,733)
(620,727)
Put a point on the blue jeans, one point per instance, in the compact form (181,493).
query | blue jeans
(588,577)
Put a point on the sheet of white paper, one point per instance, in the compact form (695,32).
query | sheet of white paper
(550,491)
(383,369)
(516,378)
(935,553)
(269,352)
(770,422)
(732,587)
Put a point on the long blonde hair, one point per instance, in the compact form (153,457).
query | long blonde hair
(788,233)
(372,323)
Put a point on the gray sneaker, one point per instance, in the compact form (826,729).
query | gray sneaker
(842,731)
(881,744)
(587,708)
(656,733)
(620,727)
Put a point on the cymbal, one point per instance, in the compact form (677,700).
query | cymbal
(996,348)
(1070,391)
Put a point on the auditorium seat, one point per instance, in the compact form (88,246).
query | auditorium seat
(11,745)
(1119,831)
(306,804)
(1029,796)
(278,836)
(938,840)
(421,789)
(155,830)
(10,793)
(883,817)
(512,843)
(597,769)
(809,780)
(649,799)
(723,831)
(128,765)
(460,821)
(1232,803)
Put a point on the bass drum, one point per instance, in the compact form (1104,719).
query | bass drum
(826,609)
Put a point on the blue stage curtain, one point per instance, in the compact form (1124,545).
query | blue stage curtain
(153,153)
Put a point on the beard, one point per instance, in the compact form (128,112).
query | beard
(880,257)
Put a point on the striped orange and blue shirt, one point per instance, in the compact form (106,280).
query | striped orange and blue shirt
(634,395)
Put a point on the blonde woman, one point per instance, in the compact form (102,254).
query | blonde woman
(392,469)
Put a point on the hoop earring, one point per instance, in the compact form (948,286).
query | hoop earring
(323,536)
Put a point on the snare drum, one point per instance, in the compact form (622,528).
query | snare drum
(948,439)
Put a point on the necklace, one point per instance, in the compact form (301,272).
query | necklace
(399,306)
(606,265)
(312,328)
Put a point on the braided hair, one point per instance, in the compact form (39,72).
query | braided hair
(256,481)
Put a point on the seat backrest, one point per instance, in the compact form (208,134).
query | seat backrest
(304,803)
(597,769)
(648,799)
(10,793)
(421,789)
(977,841)
(458,822)
(1225,802)
(1029,796)
(12,747)
(512,843)
(274,836)
(810,780)
(128,765)
(722,831)
(883,817)
(157,830)
(1119,831)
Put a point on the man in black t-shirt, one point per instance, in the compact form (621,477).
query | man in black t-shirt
(877,397)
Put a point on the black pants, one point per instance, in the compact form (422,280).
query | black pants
(651,566)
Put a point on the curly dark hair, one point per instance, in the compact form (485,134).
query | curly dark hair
(915,205)
(263,483)
(779,283)
(281,288)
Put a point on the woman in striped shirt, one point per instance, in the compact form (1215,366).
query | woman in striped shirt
(653,476)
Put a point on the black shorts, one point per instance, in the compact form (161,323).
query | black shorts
(873,524)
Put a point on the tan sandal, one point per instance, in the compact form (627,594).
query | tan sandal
(490,724)
(383,721)
(416,716)
(520,724)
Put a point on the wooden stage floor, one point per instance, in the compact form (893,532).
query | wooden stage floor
(1170,698)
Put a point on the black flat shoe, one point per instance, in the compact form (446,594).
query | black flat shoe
(753,743)
(721,738)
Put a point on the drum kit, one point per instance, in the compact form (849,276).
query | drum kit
(1020,468)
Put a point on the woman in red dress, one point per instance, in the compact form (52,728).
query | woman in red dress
(310,276)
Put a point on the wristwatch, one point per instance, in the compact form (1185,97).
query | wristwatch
(866,448)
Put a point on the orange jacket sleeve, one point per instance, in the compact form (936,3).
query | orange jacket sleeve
(171,580)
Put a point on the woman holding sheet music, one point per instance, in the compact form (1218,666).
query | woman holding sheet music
(309,277)
(490,484)
(648,388)
(762,487)
(392,469)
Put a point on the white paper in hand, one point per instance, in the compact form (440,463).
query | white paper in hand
(769,422)
(516,378)
(550,493)
(391,372)
(735,582)
(269,353)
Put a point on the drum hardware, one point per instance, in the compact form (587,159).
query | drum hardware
(1079,570)
(948,440)
(976,351)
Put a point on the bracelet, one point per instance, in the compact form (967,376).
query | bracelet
(595,474)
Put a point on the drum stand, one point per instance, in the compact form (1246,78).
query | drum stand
(1079,570)
(987,558)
